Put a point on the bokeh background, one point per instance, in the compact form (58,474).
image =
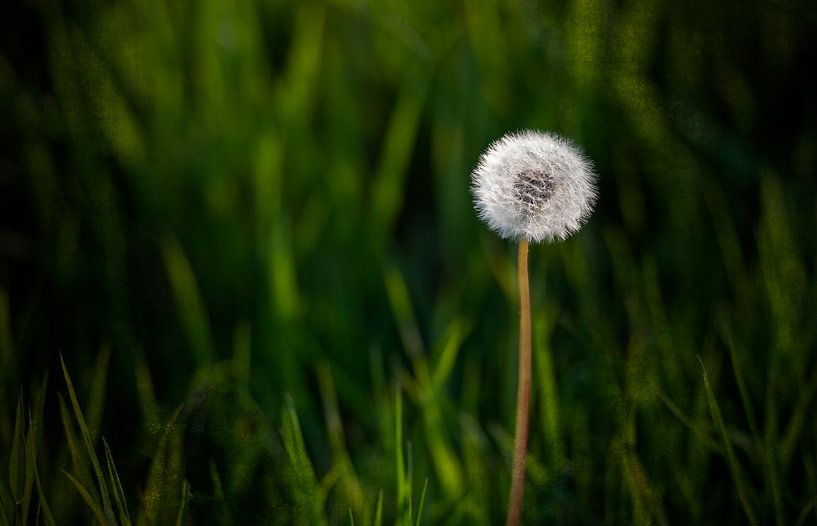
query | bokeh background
(246,227)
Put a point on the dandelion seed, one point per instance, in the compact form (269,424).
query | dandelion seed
(535,186)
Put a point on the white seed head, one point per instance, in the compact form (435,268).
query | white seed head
(534,185)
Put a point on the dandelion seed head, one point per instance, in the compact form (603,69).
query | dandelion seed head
(534,185)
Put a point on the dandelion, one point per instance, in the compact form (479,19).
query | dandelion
(531,187)
(535,186)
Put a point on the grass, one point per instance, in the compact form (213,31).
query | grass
(246,228)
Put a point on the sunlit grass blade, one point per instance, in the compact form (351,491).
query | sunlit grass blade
(387,188)
(378,512)
(446,463)
(734,467)
(422,503)
(452,340)
(351,490)
(305,486)
(403,486)
(296,97)
(116,487)
(410,481)
(400,302)
(475,456)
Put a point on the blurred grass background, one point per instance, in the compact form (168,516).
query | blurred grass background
(246,227)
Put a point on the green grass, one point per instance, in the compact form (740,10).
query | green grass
(246,228)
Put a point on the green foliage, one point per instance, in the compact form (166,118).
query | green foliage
(308,506)
(246,227)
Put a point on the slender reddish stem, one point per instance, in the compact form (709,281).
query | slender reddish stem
(520,442)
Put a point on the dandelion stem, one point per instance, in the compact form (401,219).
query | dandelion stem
(520,442)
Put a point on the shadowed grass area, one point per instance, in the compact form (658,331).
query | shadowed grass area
(247,229)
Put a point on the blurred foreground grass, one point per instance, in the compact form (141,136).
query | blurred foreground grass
(246,227)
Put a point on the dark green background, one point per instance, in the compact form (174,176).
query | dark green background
(224,213)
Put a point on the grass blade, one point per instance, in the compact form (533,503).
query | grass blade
(422,502)
(17,454)
(96,399)
(734,467)
(152,494)
(698,431)
(445,461)
(89,500)
(378,512)
(116,485)
(306,490)
(30,460)
(86,437)
(801,518)
(164,489)
(400,302)
(48,516)
(39,409)
(6,505)
(218,490)
(74,449)
(36,424)
(350,489)
(548,392)
(797,420)
(180,518)
(188,301)
(455,334)
(147,398)
(387,188)
(737,369)
(8,357)
(403,489)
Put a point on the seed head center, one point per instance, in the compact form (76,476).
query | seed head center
(532,189)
